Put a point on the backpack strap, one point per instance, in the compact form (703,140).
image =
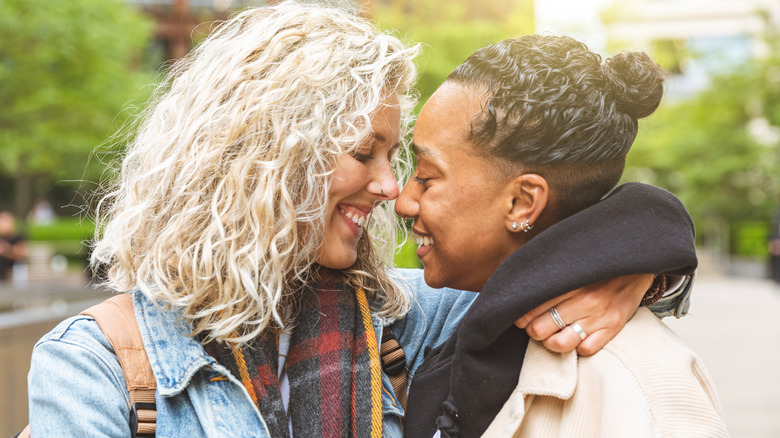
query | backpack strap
(394,364)
(116,319)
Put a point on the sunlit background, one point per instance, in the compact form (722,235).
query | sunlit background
(73,72)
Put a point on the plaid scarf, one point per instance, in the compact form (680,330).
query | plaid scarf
(332,365)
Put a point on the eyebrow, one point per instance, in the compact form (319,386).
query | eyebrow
(378,136)
(423,151)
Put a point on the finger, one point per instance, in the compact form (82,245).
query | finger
(576,307)
(595,342)
(542,327)
(542,309)
(564,341)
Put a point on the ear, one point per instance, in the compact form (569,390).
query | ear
(528,197)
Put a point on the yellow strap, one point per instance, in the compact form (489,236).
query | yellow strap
(376,373)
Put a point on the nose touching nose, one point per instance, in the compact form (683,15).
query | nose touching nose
(384,184)
(406,205)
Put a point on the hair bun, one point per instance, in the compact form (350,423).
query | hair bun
(635,82)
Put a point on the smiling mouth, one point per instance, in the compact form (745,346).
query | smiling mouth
(356,216)
(423,240)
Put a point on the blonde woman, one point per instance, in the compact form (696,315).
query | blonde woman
(249,226)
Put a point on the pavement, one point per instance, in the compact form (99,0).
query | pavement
(732,326)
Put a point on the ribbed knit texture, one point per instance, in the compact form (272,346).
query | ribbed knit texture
(644,383)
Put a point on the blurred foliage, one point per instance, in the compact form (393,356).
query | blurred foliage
(750,239)
(406,253)
(67,68)
(719,151)
(452,30)
(61,229)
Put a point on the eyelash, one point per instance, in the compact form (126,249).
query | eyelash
(421,181)
(362,157)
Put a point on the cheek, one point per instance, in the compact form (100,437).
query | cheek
(347,180)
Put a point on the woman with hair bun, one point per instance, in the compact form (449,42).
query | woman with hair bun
(250,227)
(523,146)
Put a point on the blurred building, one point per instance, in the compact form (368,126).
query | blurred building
(181,23)
(178,21)
(693,39)
(474,9)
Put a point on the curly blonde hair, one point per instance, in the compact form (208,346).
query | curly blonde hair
(220,207)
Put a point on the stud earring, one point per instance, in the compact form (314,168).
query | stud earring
(515,226)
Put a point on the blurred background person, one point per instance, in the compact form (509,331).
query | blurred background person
(13,248)
(774,248)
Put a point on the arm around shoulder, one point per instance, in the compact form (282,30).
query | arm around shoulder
(75,385)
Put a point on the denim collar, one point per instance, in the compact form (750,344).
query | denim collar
(174,356)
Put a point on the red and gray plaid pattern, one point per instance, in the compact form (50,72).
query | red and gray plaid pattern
(332,365)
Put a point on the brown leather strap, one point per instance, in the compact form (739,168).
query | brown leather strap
(116,319)
(394,364)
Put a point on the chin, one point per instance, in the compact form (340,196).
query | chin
(433,280)
(439,280)
(338,262)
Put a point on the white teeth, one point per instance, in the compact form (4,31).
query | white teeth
(423,240)
(357,218)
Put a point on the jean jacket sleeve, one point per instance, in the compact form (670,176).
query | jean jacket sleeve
(75,384)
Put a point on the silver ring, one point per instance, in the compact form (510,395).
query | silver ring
(577,329)
(557,319)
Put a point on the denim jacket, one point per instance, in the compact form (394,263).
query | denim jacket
(76,386)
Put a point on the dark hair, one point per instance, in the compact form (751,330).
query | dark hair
(555,109)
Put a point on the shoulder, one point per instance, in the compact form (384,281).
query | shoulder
(80,332)
(648,366)
(646,344)
(429,297)
(75,382)
(430,305)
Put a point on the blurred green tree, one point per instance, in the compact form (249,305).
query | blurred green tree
(719,152)
(450,30)
(66,70)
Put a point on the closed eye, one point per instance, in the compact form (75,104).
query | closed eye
(421,181)
(362,157)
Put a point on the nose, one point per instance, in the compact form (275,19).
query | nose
(407,204)
(384,185)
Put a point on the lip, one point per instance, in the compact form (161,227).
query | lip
(365,209)
(419,233)
(422,251)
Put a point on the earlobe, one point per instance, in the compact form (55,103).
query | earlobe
(529,193)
